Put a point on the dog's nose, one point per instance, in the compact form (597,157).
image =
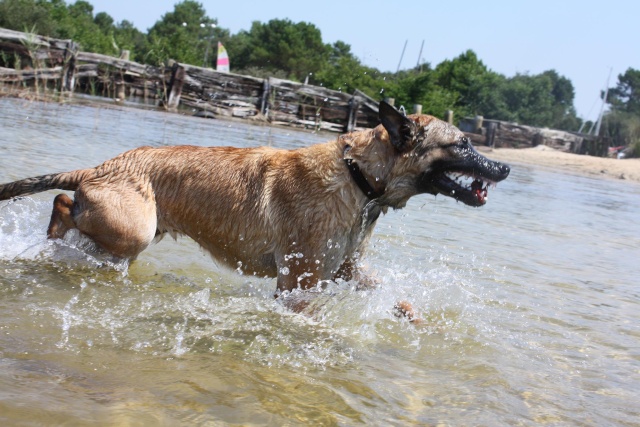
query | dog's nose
(504,169)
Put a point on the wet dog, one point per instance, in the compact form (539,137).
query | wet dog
(303,216)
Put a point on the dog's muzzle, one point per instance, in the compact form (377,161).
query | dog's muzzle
(466,177)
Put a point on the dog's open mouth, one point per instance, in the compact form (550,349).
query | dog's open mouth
(467,180)
(470,189)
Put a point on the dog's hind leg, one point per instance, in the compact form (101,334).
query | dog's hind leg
(61,217)
(119,218)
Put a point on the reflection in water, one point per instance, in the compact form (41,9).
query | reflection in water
(531,304)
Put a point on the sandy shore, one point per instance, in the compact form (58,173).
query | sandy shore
(543,156)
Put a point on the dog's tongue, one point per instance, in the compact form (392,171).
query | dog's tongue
(480,193)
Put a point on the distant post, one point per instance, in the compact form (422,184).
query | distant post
(417,108)
(68,77)
(264,98)
(448,116)
(175,86)
(491,134)
(352,117)
(477,124)
(390,101)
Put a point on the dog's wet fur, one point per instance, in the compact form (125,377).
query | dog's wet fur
(303,216)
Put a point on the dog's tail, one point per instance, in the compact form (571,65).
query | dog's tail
(61,181)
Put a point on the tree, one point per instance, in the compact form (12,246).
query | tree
(27,15)
(463,76)
(280,45)
(128,37)
(185,35)
(626,95)
(622,124)
(344,72)
(76,22)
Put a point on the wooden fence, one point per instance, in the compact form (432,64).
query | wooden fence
(495,133)
(27,59)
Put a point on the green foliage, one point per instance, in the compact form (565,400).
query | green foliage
(622,124)
(280,44)
(344,72)
(26,15)
(625,97)
(187,34)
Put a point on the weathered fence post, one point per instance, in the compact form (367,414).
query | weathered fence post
(390,101)
(538,139)
(491,134)
(417,108)
(352,117)
(477,124)
(448,116)
(264,98)
(68,76)
(175,86)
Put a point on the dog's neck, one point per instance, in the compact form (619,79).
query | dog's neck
(359,177)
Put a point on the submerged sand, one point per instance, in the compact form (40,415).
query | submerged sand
(543,156)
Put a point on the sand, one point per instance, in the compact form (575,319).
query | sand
(546,157)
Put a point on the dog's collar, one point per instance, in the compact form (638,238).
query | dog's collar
(358,177)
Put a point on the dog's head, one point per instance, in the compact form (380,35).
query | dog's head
(438,158)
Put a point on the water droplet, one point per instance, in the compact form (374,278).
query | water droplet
(284,271)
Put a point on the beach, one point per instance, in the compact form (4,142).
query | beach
(546,157)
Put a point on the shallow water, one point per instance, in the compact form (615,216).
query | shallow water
(531,305)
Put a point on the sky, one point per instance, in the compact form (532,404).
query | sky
(584,41)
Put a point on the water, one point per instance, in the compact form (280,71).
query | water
(531,305)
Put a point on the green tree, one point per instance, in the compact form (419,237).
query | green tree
(28,15)
(78,24)
(622,124)
(626,95)
(464,77)
(128,37)
(344,72)
(186,35)
(281,45)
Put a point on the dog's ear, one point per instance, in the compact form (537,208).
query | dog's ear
(400,128)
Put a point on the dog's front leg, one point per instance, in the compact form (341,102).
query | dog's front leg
(351,270)
(296,274)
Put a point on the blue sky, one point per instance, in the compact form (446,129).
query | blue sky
(581,40)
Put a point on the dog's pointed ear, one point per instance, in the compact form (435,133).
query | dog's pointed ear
(400,128)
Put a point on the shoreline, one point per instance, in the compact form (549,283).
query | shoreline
(545,157)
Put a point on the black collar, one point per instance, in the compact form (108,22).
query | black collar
(359,178)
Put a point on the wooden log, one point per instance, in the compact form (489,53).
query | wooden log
(476,138)
(126,66)
(11,75)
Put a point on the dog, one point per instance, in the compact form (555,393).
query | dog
(303,216)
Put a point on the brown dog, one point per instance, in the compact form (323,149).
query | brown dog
(301,215)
